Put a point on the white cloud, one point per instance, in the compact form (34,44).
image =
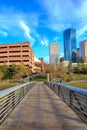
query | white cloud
(44,42)
(3,33)
(27,31)
(14,22)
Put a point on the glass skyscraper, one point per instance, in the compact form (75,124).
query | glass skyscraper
(70,45)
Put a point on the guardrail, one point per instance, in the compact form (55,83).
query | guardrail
(10,97)
(75,98)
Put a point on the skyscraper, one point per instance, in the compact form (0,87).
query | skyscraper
(70,45)
(54,53)
(83,50)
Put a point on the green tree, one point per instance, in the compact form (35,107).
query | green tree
(62,71)
(69,67)
(4,69)
(22,71)
(1,75)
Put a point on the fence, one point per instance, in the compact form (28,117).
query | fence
(75,98)
(10,97)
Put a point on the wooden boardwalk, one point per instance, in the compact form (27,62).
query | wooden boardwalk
(41,109)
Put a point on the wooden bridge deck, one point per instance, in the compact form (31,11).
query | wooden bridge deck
(41,109)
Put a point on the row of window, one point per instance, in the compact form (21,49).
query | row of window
(14,61)
(13,51)
(14,56)
(2,47)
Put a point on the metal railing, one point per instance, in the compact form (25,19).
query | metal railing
(10,97)
(75,98)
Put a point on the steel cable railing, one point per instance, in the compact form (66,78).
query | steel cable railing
(10,97)
(75,98)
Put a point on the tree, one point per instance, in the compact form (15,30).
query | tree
(1,75)
(62,71)
(69,67)
(4,69)
(22,71)
(51,69)
(80,64)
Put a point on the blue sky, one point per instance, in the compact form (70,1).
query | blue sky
(42,22)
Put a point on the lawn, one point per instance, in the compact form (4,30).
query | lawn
(5,84)
(77,84)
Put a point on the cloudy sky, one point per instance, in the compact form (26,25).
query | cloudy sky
(42,22)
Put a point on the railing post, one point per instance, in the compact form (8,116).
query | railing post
(70,98)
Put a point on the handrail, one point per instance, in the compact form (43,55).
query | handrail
(10,97)
(78,90)
(75,98)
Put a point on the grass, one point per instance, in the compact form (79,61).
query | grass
(77,76)
(6,84)
(77,84)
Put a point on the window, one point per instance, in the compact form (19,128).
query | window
(3,56)
(25,50)
(3,61)
(14,46)
(25,46)
(14,60)
(15,56)
(3,47)
(13,51)
(25,55)
(25,60)
(3,52)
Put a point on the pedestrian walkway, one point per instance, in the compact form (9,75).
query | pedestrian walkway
(42,109)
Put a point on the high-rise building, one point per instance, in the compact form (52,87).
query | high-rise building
(83,50)
(70,45)
(15,53)
(54,53)
(78,53)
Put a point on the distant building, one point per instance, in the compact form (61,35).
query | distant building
(15,53)
(70,45)
(54,53)
(39,67)
(78,53)
(61,59)
(41,59)
(83,50)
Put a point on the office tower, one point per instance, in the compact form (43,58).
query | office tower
(78,53)
(83,50)
(54,54)
(70,45)
(15,53)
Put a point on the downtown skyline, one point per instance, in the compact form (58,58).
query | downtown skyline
(42,23)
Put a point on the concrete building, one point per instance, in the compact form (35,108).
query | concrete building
(83,50)
(54,53)
(15,53)
(70,45)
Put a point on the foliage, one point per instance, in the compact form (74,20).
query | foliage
(62,72)
(69,67)
(4,69)
(1,75)
(22,71)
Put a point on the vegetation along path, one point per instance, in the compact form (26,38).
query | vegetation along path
(41,109)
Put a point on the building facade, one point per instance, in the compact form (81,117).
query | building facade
(83,50)
(54,54)
(70,45)
(15,53)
